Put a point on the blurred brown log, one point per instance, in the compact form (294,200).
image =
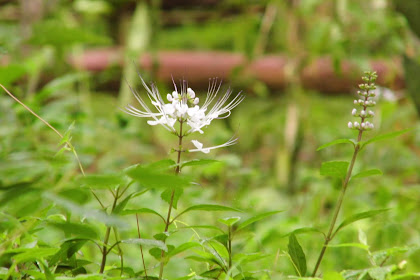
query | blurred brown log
(198,67)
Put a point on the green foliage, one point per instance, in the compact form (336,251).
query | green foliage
(297,255)
(335,169)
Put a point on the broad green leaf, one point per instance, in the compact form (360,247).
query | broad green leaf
(297,255)
(335,142)
(367,173)
(147,242)
(79,230)
(256,219)
(359,216)
(354,245)
(218,250)
(67,249)
(102,181)
(151,178)
(33,254)
(157,253)
(181,248)
(385,137)
(229,221)
(140,211)
(212,274)
(196,162)
(335,169)
(165,164)
(208,207)
(330,275)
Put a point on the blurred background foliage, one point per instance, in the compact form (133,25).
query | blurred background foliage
(275,166)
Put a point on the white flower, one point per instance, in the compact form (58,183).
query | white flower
(200,148)
(183,107)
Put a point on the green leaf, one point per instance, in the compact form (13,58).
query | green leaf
(182,248)
(297,255)
(79,230)
(208,207)
(335,169)
(164,164)
(166,195)
(140,211)
(33,254)
(102,181)
(212,274)
(359,216)
(335,142)
(256,219)
(332,276)
(147,242)
(304,230)
(229,221)
(354,245)
(154,178)
(121,205)
(196,162)
(385,137)
(367,173)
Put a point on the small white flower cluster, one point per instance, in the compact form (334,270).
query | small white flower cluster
(366,93)
(182,107)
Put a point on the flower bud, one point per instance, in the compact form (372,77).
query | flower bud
(371,113)
(196,100)
(169,97)
(191,93)
(363,113)
(350,125)
(175,94)
(354,112)
(356,125)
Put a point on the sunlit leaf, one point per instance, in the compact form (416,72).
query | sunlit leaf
(197,162)
(256,219)
(330,275)
(354,245)
(32,254)
(229,221)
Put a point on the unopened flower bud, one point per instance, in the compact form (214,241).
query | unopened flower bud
(196,100)
(363,125)
(371,113)
(363,113)
(191,93)
(355,102)
(175,94)
(356,125)
(169,97)
(350,125)
(354,112)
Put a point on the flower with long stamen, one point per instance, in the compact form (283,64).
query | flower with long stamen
(182,106)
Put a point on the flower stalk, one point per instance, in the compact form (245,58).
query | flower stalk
(366,93)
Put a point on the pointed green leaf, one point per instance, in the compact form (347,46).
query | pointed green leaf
(32,254)
(256,219)
(120,206)
(304,230)
(140,211)
(335,142)
(147,242)
(354,245)
(335,169)
(297,255)
(332,276)
(208,207)
(385,137)
(359,216)
(181,248)
(166,195)
(367,173)
(196,162)
(165,164)
(229,221)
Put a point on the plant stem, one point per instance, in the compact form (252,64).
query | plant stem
(106,238)
(141,247)
(168,218)
(230,245)
(330,234)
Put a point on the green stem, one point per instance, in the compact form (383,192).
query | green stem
(106,238)
(330,234)
(168,218)
(230,246)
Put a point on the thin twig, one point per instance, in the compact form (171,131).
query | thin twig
(141,247)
